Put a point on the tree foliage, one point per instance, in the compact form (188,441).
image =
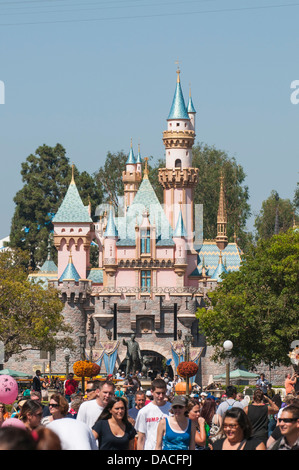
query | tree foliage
(257,307)
(276,215)
(46,176)
(211,162)
(30,316)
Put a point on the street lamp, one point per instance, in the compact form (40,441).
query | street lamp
(228,346)
(82,339)
(187,342)
(67,354)
(91,343)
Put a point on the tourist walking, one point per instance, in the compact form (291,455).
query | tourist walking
(113,430)
(258,413)
(237,431)
(194,414)
(288,423)
(36,382)
(176,432)
(70,387)
(150,415)
(289,383)
(4,414)
(230,401)
(90,410)
(139,403)
(58,406)
(31,414)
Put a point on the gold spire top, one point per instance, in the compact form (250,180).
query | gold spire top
(222,217)
(145,173)
(131,143)
(73,179)
(178,71)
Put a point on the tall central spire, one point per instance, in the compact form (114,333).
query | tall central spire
(178,108)
(221,238)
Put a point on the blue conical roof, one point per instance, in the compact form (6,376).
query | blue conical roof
(138,158)
(72,208)
(70,272)
(180,230)
(178,108)
(190,107)
(219,270)
(111,230)
(131,157)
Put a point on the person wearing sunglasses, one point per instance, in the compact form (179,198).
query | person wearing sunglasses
(237,431)
(288,423)
(176,431)
(31,414)
(58,407)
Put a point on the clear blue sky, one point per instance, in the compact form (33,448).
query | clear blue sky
(93,74)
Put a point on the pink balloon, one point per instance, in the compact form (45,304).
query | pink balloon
(17,423)
(8,389)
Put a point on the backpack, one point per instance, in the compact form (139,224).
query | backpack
(231,406)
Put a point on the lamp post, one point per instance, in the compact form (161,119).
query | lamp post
(187,342)
(82,339)
(91,343)
(228,346)
(67,354)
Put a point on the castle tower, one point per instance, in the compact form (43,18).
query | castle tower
(110,256)
(221,239)
(131,177)
(179,178)
(73,232)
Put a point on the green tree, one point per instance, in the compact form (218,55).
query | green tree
(257,307)
(30,316)
(211,162)
(46,176)
(276,215)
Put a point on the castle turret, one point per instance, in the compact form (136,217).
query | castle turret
(110,237)
(131,177)
(73,231)
(179,238)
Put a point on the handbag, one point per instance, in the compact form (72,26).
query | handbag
(215,433)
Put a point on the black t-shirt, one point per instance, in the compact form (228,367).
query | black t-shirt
(107,440)
(251,444)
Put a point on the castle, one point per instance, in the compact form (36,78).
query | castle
(154,268)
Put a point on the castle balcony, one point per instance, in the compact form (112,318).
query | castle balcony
(180,266)
(178,139)
(178,177)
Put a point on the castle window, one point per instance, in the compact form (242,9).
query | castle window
(178,163)
(145,241)
(145,280)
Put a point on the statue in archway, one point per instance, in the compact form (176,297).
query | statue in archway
(133,356)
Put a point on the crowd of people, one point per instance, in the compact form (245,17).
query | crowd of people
(108,416)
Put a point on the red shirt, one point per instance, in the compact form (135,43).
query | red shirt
(71,386)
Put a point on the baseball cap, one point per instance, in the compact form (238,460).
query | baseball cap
(180,400)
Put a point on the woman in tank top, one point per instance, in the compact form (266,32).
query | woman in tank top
(177,431)
(258,413)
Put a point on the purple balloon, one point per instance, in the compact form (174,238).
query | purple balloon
(8,389)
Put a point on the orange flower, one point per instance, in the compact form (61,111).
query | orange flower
(86,369)
(187,369)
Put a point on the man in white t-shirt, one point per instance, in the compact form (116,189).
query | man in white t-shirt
(73,434)
(149,416)
(89,411)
